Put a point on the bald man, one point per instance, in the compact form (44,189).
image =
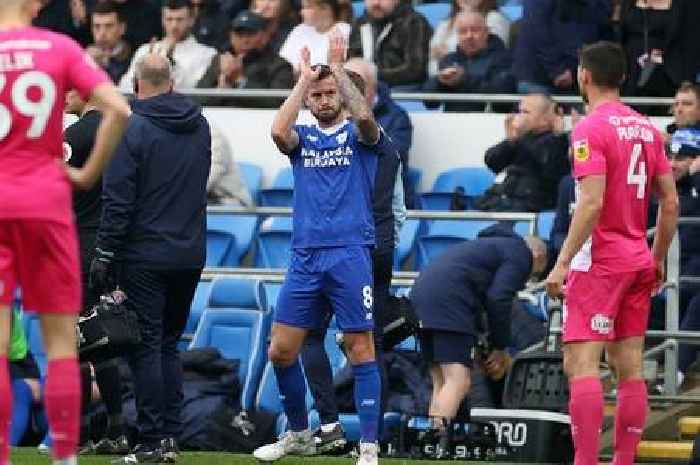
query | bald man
(153,224)
(481,64)
(449,296)
(534,157)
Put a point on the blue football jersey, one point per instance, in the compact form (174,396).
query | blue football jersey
(333,186)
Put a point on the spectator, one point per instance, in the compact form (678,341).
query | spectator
(210,24)
(661,45)
(109,49)
(449,297)
(551,33)
(225,185)
(320,19)
(481,64)
(686,108)
(345,15)
(396,38)
(685,152)
(143,20)
(189,58)
(69,17)
(444,39)
(534,157)
(249,63)
(281,19)
(390,116)
(154,224)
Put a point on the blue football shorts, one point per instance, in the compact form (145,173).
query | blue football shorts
(337,276)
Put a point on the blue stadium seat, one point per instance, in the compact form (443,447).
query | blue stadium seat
(199,303)
(281,193)
(545,222)
(228,238)
(522,228)
(413,177)
(474,181)
(434,12)
(252,174)
(412,106)
(274,242)
(407,239)
(272,292)
(358,9)
(234,323)
(444,234)
(513,12)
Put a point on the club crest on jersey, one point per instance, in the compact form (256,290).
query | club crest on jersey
(581,152)
(312,138)
(342,137)
(601,324)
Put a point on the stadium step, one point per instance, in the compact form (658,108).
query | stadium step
(664,450)
(688,427)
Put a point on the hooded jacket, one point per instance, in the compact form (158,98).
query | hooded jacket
(479,275)
(154,190)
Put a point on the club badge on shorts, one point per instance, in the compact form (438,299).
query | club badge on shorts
(581,152)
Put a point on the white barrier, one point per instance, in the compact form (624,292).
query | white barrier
(440,140)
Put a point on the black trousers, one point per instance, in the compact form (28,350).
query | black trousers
(315,360)
(162,301)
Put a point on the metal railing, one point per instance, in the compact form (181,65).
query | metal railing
(671,335)
(488,99)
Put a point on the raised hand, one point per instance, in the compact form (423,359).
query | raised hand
(306,72)
(337,48)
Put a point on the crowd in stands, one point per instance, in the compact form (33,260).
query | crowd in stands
(475,49)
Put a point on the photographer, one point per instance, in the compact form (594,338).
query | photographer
(154,225)
(449,297)
(534,156)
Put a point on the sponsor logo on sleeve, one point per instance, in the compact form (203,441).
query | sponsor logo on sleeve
(581,152)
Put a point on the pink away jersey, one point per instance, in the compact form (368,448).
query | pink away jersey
(623,145)
(37,69)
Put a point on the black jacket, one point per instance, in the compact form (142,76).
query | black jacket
(681,50)
(689,199)
(562,219)
(401,45)
(154,190)
(483,274)
(484,73)
(534,164)
(79,138)
(262,69)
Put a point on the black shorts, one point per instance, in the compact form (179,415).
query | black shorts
(440,346)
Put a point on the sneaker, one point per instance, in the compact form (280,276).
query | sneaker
(170,450)
(106,446)
(368,454)
(332,441)
(141,454)
(291,442)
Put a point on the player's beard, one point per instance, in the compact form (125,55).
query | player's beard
(327,116)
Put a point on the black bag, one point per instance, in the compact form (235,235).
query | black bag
(108,330)
(400,322)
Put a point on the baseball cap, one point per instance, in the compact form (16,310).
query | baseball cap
(686,142)
(248,21)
